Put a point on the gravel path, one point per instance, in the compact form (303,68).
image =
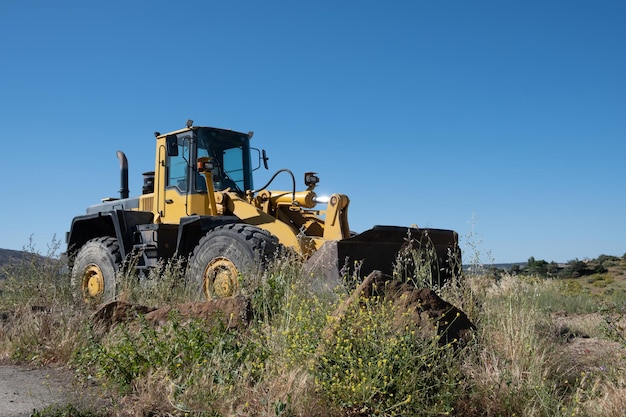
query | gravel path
(23,390)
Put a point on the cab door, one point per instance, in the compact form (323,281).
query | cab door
(173,204)
(185,191)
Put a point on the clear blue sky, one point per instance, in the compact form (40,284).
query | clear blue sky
(505,118)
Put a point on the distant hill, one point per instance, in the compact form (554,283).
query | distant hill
(9,255)
(509,265)
(504,267)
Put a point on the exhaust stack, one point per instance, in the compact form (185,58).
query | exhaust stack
(123,174)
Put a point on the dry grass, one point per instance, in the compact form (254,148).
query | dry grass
(529,362)
(542,349)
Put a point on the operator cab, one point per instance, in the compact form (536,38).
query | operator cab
(230,154)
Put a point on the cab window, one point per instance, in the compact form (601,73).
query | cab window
(178,166)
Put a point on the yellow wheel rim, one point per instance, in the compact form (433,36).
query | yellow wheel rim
(220,278)
(93,282)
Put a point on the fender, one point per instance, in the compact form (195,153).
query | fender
(120,224)
(192,228)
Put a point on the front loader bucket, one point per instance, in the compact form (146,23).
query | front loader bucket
(383,247)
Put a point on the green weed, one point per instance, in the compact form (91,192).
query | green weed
(64,411)
(370,366)
(298,357)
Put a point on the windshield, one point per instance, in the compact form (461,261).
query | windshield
(231,155)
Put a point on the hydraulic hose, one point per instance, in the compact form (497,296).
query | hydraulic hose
(293,182)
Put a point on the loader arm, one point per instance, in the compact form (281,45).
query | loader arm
(253,215)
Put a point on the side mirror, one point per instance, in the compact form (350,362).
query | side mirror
(265,159)
(171,144)
(262,157)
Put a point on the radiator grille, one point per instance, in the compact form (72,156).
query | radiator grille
(147,204)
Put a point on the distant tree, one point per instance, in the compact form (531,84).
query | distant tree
(535,267)
(600,268)
(575,269)
(494,272)
(607,258)
(516,269)
(553,268)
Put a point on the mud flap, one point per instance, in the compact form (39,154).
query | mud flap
(378,249)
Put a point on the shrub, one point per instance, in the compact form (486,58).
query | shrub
(371,366)
(40,324)
(36,280)
(189,358)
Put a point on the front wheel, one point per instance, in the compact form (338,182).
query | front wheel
(95,268)
(227,252)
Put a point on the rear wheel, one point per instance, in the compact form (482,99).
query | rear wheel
(95,268)
(227,252)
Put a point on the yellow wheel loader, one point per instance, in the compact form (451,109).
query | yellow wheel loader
(200,204)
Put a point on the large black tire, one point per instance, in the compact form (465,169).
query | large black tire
(227,253)
(95,269)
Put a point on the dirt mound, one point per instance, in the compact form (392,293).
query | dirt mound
(593,353)
(584,342)
(419,308)
(232,312)
(115,312)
